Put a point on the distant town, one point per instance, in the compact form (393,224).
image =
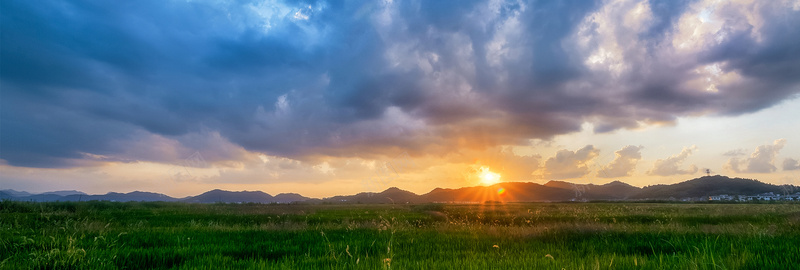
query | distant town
(769,196)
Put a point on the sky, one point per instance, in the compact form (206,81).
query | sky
(333,97)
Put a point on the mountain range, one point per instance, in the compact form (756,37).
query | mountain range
(552,191)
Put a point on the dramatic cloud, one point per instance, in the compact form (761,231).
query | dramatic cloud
(671,165)
(761,161)
(624,163)
(790,164)
(568,164)
(87,83)
(513,167)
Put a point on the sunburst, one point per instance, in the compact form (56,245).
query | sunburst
(488,177)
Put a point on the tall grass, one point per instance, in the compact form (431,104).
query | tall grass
(106,235)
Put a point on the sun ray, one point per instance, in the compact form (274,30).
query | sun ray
(488,177)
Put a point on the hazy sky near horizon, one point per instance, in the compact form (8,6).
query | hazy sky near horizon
(337,97)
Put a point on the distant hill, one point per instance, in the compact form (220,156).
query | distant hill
(225,196)
(43,198)
(289,197)
(615,190)
(137,196)
(508,192)
(512,191)
(553,191)
(14,193)
(390,195)
(63,193)
(707,186)
(111,196)
(207,197)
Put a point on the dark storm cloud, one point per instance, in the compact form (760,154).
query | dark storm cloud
(666,14)
(89,79)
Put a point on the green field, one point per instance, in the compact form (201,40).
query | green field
(109,235)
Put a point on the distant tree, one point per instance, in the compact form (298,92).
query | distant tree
(708,172)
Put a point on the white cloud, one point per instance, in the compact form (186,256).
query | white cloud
(609,45)
(671,165)
(568,164)
(505,45)
(791,164)
(624,163)
(708,23)
(302,14)
(324,168)
(736,152)
(761,161)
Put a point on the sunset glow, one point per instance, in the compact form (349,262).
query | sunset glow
(337,98)
(488,177)
(399,134)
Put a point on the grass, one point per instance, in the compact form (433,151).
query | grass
(145,235)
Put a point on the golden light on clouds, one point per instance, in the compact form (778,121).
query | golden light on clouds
(492,93)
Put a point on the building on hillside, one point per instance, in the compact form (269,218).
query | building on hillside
(722,197)
(769,196)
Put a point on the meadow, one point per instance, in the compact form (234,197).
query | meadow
(159,235)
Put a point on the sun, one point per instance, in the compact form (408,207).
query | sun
(488,177)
